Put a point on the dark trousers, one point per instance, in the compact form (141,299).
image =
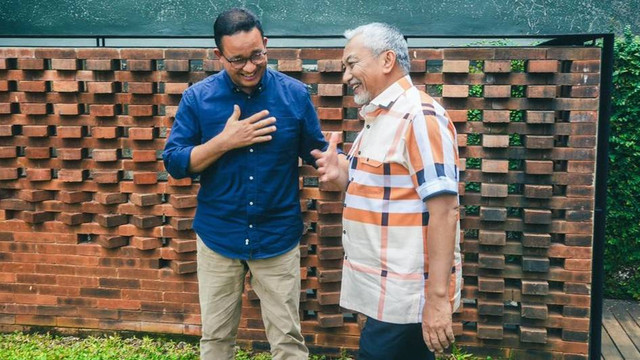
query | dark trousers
(385,341)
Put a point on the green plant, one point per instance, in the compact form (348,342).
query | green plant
(622,250)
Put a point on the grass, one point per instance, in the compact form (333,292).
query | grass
(45,346)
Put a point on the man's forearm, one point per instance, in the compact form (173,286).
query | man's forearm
(343,172)
(203,155)
(441,234)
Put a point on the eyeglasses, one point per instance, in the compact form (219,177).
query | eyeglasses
(256,59)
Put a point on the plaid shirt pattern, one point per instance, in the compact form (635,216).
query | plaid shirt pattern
(405,154)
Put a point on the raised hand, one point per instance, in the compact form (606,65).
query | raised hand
(327,161)
(254,129)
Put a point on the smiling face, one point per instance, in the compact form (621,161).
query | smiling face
(242,45)
(363,71)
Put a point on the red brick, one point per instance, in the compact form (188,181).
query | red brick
(181,223)
(578,264)
(538,167)
(455,66)
(329,65)
(531,287)
(212,65)
(100,87)
(179,182)
(105,132)
(8,152)
(489,261)
(65,86)
(144,156)
(490,332)
(535,264)
(175,88)
(540,117)
(585,66)
(542,66)
(585,91)
(39,174)
(110,198)
(36,217)
(33,108)
(104,155)
(583,116)
(455,91)
(70,132)
(145,221)
(139,65)
(7,130)
(497,91)
(136,133)
(32,86)
(31,152)
(141,110)
(495,141)
(325,113)
(110,220)
(184,267)
(70,154)
(74,218)
(106,176)
(176,65)
(586,167)
(488,213)
(64,64)
(73,197)
(533,335)
(145,199)
(330,90)
(536,216)
(145,178)
(100,64)
(31,64)
(69,175)
(538,142)
(291,65)
(538,191)
(102,110)
(140,87)
(541,91)
(66,109)
(145,243)
(497,66)
(494,190)
(183,201)
(5,108)
(495,166)
(534,311)
(418,66)
(35,131)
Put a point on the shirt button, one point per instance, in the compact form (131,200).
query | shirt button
(246,241)
(250,177)
(368,126)
(359,152)
(344,231)
(251,203)
(250,226)
(251,150)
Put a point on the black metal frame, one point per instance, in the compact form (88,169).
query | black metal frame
(602,161)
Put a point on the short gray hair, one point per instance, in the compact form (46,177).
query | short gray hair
(382,37)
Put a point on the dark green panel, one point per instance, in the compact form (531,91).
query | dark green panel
(317,17)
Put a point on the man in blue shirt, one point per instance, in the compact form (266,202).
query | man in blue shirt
(248,215)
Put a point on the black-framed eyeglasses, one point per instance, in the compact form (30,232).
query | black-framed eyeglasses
(256,59)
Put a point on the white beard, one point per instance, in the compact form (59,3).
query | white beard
(362,98)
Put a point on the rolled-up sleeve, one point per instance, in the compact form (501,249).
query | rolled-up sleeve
(185,135)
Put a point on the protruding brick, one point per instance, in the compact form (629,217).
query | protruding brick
(540,117)
(533,335)
(325,113)
(490,308)
(145,178)
(329,65)
(33,108)
(538,167)
(455,66)
(585,66)
(330,89)
(492,285)
(494,190)
(183,201)
(65,86)
(176,65)
(493,213)
(30,64)
(67,109)
(175,88)
(534,311)
(106,176)
(541,91)
(145,221)
(497,91)
(144,156)
(291,65)
(140,87)
(39,174)
(8,152)
(455,91)
(139,65)
(538,142)
(138,133)
(538,191)
(110,198)
(37,217)
(32,152)
(112,242)
(72,175)
(490,332)
(535,264)
(181,224)
(145,199)
(587,91)
(487,237)
(497,66)
(536,240)
(102,110)
(585,167)
(74,218)
(104,132)
(537,216)
(70,132)
(145,243)
(100,64)
(495,141)
(531,287)
(110,220)
(73,197)
(32,86)
(490,261)
(105,155)
(64,64)
(542,66)
(99,87)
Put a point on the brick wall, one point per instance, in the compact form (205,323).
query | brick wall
(95,235)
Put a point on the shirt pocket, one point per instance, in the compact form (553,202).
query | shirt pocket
(286,137)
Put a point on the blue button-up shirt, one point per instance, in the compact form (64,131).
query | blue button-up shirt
(248,204)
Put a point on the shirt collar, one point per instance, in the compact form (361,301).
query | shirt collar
(385,99)
(236,90)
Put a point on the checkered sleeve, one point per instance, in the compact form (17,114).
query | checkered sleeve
(432,151)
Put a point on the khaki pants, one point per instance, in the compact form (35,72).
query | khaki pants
(276,281)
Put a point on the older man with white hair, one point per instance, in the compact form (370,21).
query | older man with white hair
(402,264)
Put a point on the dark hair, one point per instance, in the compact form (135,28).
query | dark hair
(233,21)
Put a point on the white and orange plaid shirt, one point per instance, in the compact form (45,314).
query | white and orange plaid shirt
(406,153)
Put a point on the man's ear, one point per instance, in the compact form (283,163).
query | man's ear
(218,53)
(389,58)
(264,41)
